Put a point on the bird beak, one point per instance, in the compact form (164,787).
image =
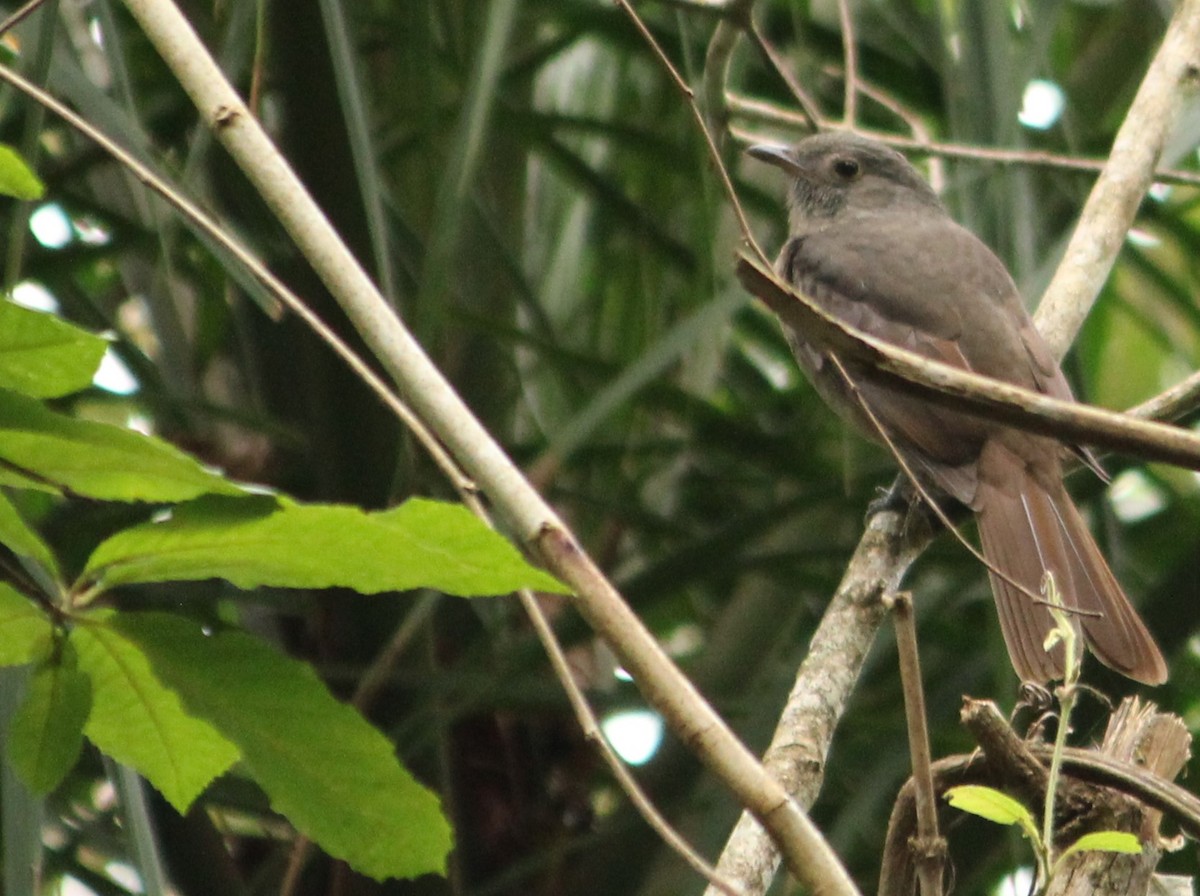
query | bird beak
(773,154)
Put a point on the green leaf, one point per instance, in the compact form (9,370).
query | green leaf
(323,766)
(259,541)
(1105,841)
(19,537)
(138,721)
(44,356)
(16,177)
(989,803)
(98,460)
(47,729)
(26,633)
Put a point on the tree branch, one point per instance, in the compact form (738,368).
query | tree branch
(980,396)
(1113,202)
(536,525)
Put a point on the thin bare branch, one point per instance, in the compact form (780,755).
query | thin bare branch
(1128,174)
(765,112)
(810,116)
(929,845)
(713,150)
(629,784)
(20,15)
(1068,421)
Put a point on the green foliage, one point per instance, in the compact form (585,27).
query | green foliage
(17,178)
(98,460)
(994,805)
(21,538)
(43,356)
(263,541)
(26,633)
(180,706)
(47,730)
(137,720)
(998,807)
(1105,841)
(328,771)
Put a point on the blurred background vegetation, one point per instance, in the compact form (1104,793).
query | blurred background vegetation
(533,194)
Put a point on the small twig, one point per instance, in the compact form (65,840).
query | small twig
(929,845)
(810,116)
(850,54)
(713,151)
(1173,403)
(772,113)
(591,730)
(20,15)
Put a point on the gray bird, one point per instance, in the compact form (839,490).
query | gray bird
(872,245)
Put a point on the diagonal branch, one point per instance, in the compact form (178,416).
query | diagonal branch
(980,396)
(1113,202)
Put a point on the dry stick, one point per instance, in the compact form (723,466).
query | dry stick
(848,627)
(771,113)
(629,784)
(811,116)
(535,523)
(971,393)
(827,676)
(1175,402)
(690,98)
(20,15)
(1111,206)
(929,846)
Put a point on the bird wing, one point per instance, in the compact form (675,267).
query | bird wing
(919,301)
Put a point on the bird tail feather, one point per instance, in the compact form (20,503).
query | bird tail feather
(1027,529)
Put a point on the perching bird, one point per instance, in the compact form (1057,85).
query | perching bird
(871,244)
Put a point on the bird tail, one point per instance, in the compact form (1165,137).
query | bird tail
(1028,527)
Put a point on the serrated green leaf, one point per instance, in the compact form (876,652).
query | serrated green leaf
(19,537)
(138,721)
(259,541)
(98,460)
(16,177)
(323,766)
(44,356)
(1105,841)
(47,729)
(989,803)
(26,633)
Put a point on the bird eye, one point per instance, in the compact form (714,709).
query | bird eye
(846,169)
